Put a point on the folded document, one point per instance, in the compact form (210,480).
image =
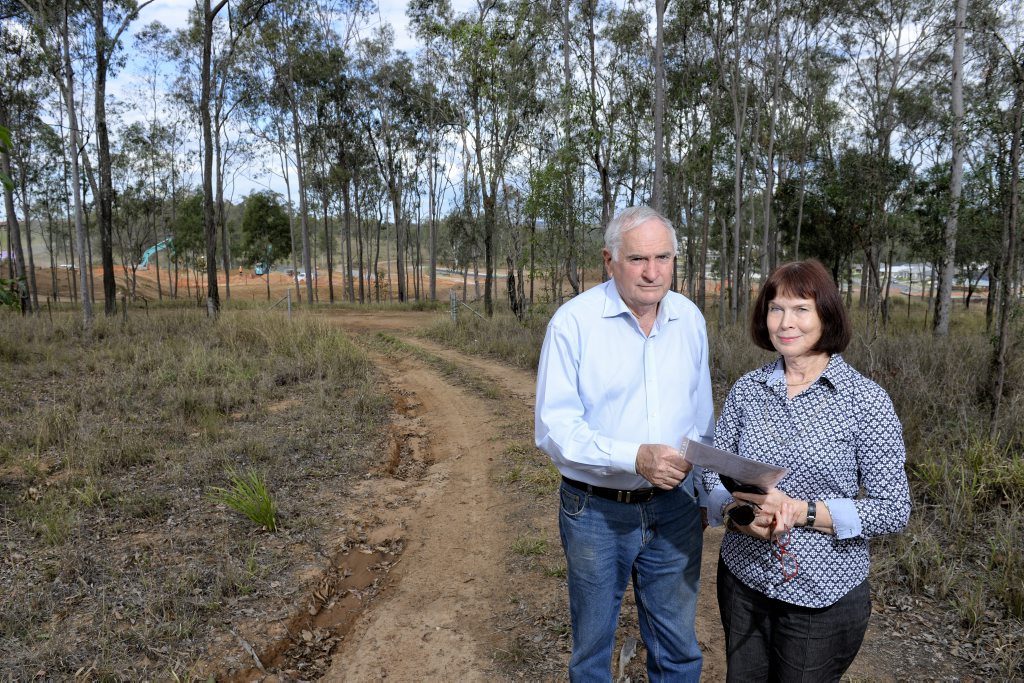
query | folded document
(741,469)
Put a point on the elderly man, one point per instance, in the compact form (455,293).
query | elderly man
(623,379)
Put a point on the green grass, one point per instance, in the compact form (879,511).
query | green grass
(529,546)
(248,494)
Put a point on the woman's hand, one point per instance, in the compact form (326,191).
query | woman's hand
(774,506)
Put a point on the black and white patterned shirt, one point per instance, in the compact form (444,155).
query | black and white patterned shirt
(843,444)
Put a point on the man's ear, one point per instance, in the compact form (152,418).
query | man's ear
(607,260)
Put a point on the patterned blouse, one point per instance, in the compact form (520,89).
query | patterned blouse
(843,444)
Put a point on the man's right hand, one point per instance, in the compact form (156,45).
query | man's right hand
(661,465)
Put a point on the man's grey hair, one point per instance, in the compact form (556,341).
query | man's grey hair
(630,218)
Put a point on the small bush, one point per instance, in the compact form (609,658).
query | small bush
(248,495)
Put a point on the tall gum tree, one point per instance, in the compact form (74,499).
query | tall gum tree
(944,305)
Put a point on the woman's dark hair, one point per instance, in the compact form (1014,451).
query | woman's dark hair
(806,280)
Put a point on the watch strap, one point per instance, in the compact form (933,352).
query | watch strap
(812,513)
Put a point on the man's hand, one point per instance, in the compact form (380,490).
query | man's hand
(661,465)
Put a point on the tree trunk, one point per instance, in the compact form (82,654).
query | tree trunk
(106,185)
(657,195)
(76,179)
(17,256)
(209,224)
(567,158)
(1009,264)
(945,304)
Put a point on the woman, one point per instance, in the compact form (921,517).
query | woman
(792,583)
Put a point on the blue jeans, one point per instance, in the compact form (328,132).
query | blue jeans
(771,640)
(657,544)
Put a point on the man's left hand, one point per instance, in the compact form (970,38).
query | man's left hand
(663,466)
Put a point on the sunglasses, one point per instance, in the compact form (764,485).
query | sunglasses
(780,550)
(741,514)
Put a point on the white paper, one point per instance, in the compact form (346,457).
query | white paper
(743,470)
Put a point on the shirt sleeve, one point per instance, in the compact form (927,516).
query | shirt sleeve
(560,428)
(704,420)
(884,506)
(727,437)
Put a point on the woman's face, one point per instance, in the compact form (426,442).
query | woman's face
(794,325)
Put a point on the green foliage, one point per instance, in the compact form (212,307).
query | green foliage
(265,231)
(248,495)
(5,146)
(188,226)
(10,292)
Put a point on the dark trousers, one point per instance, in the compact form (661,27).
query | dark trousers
(771,640)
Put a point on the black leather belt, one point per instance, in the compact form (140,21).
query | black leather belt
(619,496)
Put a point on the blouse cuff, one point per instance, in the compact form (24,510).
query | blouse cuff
(716,502)
(845,519)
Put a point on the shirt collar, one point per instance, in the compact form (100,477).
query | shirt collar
(614,306)
(834,374)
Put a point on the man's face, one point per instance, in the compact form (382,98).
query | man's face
(643,271)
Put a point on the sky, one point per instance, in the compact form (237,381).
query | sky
(173,14)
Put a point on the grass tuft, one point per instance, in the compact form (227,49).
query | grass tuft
(248,495)
(529,546)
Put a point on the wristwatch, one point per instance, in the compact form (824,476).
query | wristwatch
(812,513)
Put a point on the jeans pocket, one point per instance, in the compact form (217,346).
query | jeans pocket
(572,502)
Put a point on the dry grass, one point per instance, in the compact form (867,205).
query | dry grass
(117,564)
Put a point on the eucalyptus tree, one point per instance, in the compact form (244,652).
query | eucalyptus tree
(317,71)
(190,238)
(1012,57)
(56,28)
(290,26)
(629,74)
(212,76)
(690,92)
(500,51)
(731,28)
(785,27)
(888,42)
(392,118)
(811,128)
(106,44)
(945,301)
(439,118)
(165,123)
(21,72)
(146,169)
(50,197)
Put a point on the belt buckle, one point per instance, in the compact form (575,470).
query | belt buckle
(624,496)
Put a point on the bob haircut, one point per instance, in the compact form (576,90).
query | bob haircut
(806,280)
(630,218)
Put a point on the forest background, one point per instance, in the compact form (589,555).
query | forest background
(882,137)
